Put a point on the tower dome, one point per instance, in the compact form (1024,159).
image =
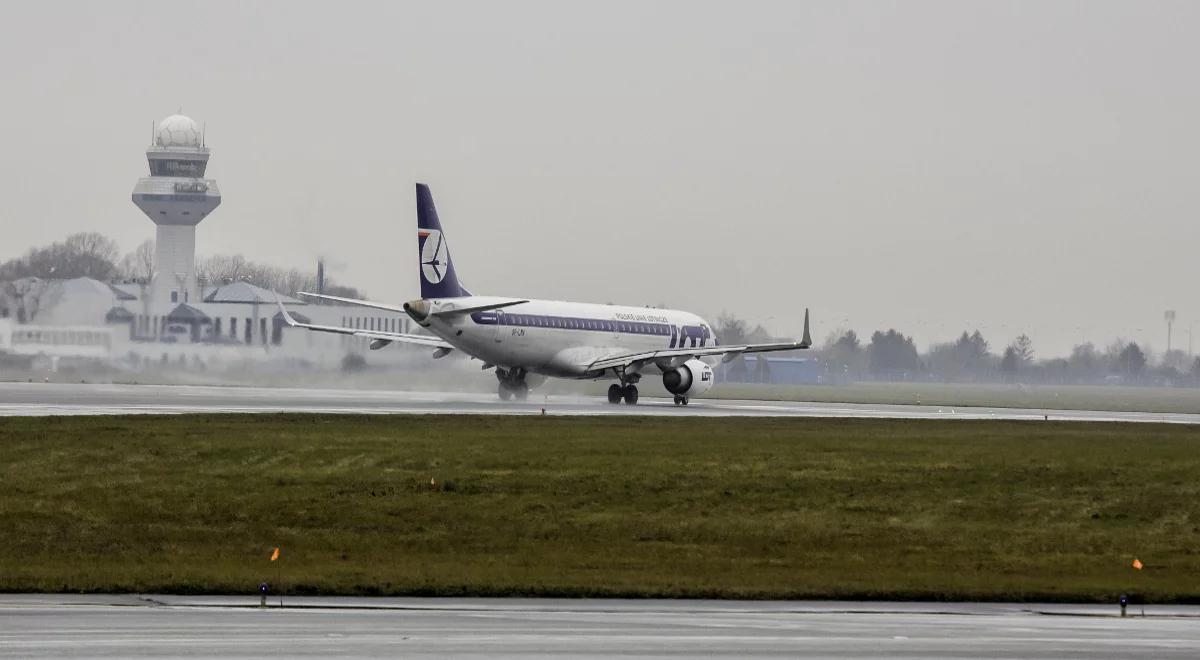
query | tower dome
(177,131)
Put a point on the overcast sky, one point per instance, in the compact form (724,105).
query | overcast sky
(933,166)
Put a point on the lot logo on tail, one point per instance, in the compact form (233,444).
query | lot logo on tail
(435,261)
(437,270)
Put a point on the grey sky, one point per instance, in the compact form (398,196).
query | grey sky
(928,165)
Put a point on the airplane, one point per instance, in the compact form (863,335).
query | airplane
(527,340)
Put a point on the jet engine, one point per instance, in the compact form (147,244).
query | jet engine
(692,378)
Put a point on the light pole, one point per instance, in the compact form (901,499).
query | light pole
(1169,316)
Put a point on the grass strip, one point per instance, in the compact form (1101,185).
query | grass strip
(630,507)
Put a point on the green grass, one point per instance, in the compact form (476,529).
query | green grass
(642,507)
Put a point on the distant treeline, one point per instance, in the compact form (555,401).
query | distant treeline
(94,255)
(892,355)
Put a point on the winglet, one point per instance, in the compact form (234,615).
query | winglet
(287,318)
(806,340)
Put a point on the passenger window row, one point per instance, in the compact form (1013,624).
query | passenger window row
(598,325)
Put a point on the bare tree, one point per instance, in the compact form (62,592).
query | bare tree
(93,244)
(297,280)
(1023,347)
(85,254)
(139,264)
(219,270)
(730,329)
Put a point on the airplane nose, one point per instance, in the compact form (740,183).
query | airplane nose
(417,309)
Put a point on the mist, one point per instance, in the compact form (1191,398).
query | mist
(934,167)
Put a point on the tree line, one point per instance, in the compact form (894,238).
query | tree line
(90,254)
(891,355)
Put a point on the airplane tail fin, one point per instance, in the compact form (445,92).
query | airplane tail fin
(438,279)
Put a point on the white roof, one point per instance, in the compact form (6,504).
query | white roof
(82,286)
(127,290)
(245,292)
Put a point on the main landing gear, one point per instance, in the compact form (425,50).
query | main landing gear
(680,400)
(627,390)
(512,384)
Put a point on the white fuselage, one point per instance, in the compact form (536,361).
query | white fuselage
(561,339)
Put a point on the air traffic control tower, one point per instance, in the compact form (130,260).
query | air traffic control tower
(176,196)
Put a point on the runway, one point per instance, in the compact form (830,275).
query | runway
(231,626)
(39,399)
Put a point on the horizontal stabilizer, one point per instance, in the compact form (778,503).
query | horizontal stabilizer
(479,308)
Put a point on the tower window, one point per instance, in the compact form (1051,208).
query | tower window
(174,296)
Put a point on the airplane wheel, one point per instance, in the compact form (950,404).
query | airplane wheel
(614,393)
(520,391)
(678,400)
(683,400)
(505,393)
(630,393)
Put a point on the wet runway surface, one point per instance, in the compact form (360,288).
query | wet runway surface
(186,627)
(33,399)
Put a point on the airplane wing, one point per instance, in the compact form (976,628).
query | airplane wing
(383,338)
(352,301)
(645,357)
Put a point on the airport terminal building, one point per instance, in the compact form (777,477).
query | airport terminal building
(174,317)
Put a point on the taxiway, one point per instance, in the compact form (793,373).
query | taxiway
(184,627)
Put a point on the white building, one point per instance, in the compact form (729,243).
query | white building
(86,318)
(176,197)
(174,317)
